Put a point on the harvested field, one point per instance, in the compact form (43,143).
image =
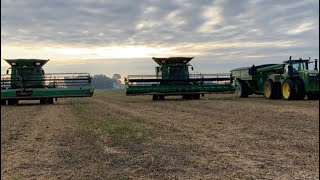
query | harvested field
(111,136)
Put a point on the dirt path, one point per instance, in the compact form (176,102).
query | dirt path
(117,137)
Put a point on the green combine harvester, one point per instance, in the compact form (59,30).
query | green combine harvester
(291,80)
(173,78)
(28,81)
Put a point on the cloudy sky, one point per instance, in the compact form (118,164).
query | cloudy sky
(121,36)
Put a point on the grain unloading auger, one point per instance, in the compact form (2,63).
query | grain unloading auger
(28,81)
(173,77)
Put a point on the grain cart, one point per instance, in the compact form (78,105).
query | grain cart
(289,80)
(28,81)
(173,77)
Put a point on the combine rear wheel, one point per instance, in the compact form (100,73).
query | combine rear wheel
(288,90)
(242,89)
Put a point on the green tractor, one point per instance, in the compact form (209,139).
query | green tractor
(174,77)
(291,80)
(28,81)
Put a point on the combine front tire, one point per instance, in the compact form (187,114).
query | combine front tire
(13,102)
(196,96)
(155,97)
(242,89)
(161,97)
(288,90)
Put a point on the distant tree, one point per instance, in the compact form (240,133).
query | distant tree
(101,81)
(116,76)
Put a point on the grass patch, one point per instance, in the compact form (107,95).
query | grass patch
(126,134)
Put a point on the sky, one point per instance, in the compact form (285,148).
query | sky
(121,36)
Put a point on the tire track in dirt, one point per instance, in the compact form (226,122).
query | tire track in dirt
(35,153)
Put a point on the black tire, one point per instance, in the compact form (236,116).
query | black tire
(13,102)
(272,90)
(43,101)
(4,102)
(196,96)
(242,90)
(277,90)
(50,101)
(161,97)
(155,97)
(187,96)
(313,96)
(299,88)
(288,89)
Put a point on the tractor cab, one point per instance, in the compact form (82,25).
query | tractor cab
(297,65)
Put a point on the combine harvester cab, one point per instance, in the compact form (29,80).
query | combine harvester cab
(291,80)
(28,81)
(173,78)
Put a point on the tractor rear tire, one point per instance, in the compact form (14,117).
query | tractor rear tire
(299,88)
(242,90)
(313,96)
(288,90)
(272,90)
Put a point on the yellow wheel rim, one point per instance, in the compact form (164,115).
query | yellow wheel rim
(286,90)
(267,90)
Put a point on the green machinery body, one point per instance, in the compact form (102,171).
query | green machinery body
(173,77)
(28,81)
(291,79)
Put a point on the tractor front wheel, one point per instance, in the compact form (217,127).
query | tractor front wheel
(288,90)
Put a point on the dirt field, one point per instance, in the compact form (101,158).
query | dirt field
(111,136)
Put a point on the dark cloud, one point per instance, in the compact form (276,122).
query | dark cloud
(273,28)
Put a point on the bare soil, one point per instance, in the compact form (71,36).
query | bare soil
(112,136)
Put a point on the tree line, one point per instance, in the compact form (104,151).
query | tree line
(101,81)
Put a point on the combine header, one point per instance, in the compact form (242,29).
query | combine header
(28,81)
(173,77)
